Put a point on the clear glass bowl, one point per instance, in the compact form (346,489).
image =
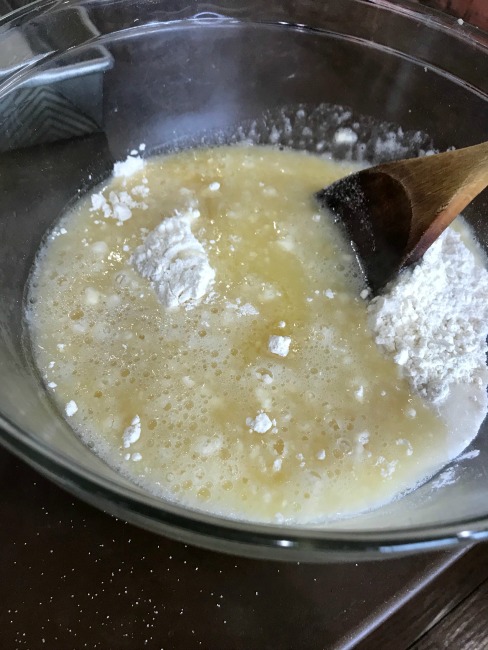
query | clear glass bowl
(82,83)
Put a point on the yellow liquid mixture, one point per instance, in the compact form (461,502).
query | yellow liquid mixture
(347,433)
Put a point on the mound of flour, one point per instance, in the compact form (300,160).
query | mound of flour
(433,319)
(175,262)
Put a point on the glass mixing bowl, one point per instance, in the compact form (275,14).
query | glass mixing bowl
(82,83)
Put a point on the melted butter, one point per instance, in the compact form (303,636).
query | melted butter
(348,436)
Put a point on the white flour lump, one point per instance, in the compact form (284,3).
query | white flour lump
(133,432)
(128,167)
(175,262)
(260,424)
(433,319)
(279,345)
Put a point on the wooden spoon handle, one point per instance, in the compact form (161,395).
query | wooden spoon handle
(455,177)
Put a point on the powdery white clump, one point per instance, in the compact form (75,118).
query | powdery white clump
(128,167)
(260,424)
(71,408)
(175,262)
(433,319)
(132,433)
(119,205)
(279,345)
(242,310)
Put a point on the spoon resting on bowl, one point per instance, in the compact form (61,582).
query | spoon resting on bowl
(393,212)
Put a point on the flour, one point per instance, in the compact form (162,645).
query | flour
(242,310)
(433,319)
(71,408)
(260,424)
(132,433)
(279,345)
(175,262)
(119,205)
(128,167)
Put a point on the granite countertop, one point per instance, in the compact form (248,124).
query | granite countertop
(75,577)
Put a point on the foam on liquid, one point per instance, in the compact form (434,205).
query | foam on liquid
(349,435)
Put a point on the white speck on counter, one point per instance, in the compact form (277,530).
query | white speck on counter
(279,345)
(214,187)
(460,21)
(71,408)
(260,424)
(133,432)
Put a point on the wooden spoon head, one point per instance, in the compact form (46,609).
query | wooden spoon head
(376,213)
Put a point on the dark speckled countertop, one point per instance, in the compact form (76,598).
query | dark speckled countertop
(74,577)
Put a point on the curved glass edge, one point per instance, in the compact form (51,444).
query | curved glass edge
(22,14)
(234,536)
(440,18)
(106,18)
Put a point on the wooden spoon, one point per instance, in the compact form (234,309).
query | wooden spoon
(395,211)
